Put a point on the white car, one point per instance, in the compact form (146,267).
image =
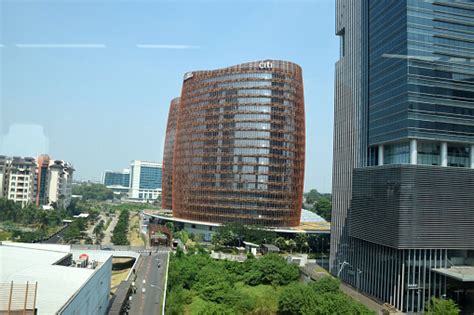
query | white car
(143,290)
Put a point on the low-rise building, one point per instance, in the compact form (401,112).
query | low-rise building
(65,281)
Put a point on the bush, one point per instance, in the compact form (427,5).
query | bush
(321,297)
(270,269)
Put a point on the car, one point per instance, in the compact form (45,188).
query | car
(143,290)
(107,248)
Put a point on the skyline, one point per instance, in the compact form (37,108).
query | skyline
(99,85)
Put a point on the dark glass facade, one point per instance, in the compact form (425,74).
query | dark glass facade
(168,155)
(150,177)
(404,94)
(116,179)
(240,145)
(421,75)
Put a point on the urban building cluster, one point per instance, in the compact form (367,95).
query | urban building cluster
(235,146)
(403,181)
(142,182)
(41,181)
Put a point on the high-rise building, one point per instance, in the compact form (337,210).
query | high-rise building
(60,183)
(118,182)
(42,180)
(3,165)
(403,177)
(168,155)
(19,179)
(53,182)
(240,145)
(145,180)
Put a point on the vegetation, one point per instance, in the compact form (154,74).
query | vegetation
(442,307)
(321,297)
(93,192)
(233,234)
(28,224)
(76,231)
(120,232)
(268,285)
(98,231)
(319,203)
(224,287)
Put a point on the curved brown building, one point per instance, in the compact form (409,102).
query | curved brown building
(240,145)
(168,155)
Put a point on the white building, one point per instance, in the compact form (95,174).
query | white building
(19,179)
(68,282)
(40,181)
(60,182)
(145,180)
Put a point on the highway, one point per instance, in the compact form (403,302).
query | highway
(148,296)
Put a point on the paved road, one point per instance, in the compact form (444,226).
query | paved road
(108,232)
(56,239)
(149,301)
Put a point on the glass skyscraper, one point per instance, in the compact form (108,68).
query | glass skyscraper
(403,177)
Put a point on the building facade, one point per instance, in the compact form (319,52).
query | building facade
(118,182)
(20,180)
(168,155)
(404,151)
(240,145)
(40,181)
(145,180)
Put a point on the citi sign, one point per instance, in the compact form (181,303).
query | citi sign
(265,65)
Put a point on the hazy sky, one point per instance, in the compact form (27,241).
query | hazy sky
(90,81)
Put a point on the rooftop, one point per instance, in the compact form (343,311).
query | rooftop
(310,222)
(32,263)
(461,273)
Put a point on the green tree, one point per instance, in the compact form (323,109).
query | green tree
(93,192)
(301,241)
(442,307)
(323,208)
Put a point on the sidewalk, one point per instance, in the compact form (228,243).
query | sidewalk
(371,304)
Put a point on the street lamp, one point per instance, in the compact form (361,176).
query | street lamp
(343,264)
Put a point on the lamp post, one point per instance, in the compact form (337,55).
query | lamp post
(343,264)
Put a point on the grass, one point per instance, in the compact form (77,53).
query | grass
(265,296)
(5,235)
(117,277)
(134,235)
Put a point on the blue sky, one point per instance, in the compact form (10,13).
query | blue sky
(90,81)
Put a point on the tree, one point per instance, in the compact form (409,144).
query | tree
(325,298)
(301,241)
(170,226)
(323,208)
(270,269)
(312,196)
(325,285)
(442,307)
(93,192)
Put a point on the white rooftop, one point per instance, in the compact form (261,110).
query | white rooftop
(308,216)
(34,263)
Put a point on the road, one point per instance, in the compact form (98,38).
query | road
(149,301)
(108,233)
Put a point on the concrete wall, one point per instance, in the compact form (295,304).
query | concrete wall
(93,297)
